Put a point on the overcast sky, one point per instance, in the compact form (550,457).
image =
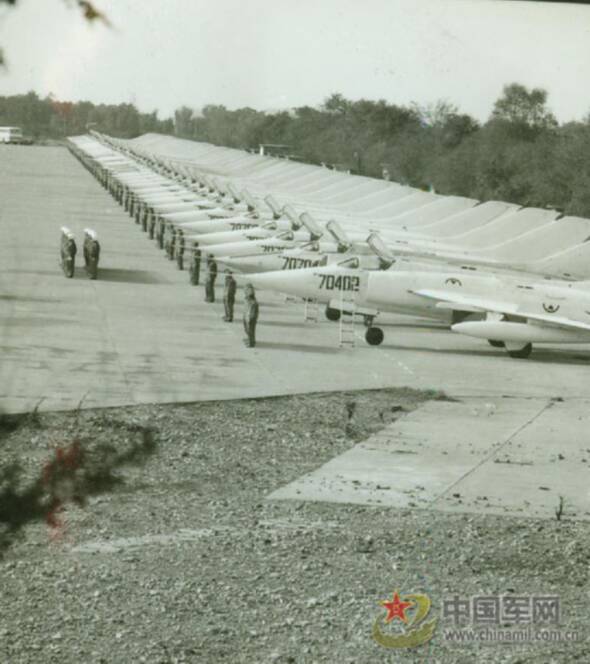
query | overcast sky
(272,54)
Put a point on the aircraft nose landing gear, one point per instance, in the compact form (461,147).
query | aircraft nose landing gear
(333,314)
(374,336)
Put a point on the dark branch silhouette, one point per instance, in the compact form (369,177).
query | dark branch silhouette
(89,12)
(72,474)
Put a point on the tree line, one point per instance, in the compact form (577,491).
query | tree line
(521,154)
(50,118)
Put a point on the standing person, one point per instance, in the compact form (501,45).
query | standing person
(143,213)
(172,242)
(229,296)
(180,250)
(250,315)
(195,266)
(91,253)
(210,282)
(151,222)
(166,237)
(68,251)
(161,232)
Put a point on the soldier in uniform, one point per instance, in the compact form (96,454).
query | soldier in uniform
(161,232)
(210,282)
(180,250)
(166,237)
(91,250)
(250,315)
(229,296)
(195,266)
(172,246)
(68,252)
(143,213)
(151,217)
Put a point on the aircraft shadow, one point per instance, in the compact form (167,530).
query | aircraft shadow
(124,276)
(267,305)
(35,321)
(27,298)
(538,355)
(284,323)
(302,348)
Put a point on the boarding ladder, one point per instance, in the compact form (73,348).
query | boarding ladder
(346,322)
(311,311)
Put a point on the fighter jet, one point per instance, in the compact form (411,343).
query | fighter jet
(447,293)
(516,313)
(253,219)
(341,287)
(301,231)
(306,255)
(256,244)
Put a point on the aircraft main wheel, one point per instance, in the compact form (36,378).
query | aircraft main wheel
(333,314)
(495,343)
(374,336)
(521,353)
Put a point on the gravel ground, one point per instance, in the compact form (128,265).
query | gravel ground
(183,560)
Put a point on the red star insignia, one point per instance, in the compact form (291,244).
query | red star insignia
(396,608)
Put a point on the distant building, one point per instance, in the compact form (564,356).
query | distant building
(11,135)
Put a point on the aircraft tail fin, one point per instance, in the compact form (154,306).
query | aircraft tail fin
(233,192)
(249,200)
(338,233)
(219,187)
(271,201)
(207,183)
(380,249)
(312,226)
(291,215)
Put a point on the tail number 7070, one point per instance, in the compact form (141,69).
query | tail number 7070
(340,283)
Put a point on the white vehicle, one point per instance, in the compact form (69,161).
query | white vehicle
(11,135)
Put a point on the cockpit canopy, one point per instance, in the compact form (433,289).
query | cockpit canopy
(351,263)
(310,246)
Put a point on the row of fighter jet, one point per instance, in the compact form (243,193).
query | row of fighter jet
(361,266)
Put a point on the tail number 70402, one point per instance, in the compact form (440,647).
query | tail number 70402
(340,283)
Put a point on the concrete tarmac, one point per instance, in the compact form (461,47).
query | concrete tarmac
(141,334)
(493,456)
